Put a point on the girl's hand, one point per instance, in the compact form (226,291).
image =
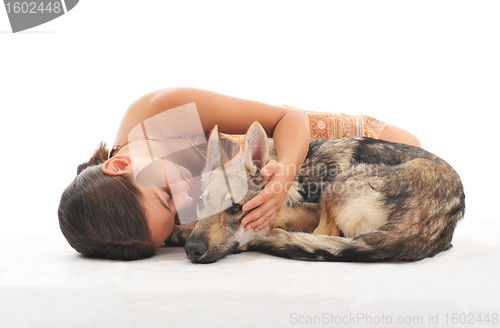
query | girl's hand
(269,201)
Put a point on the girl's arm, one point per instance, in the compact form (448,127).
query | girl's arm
(394,134)
(288,128)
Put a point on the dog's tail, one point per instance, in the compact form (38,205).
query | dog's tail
(377,245)
(410,235)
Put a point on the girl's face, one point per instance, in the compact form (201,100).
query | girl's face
(163,203)
(166,189)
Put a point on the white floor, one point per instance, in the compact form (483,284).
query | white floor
(44,283)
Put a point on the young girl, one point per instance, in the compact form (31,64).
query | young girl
(104,213)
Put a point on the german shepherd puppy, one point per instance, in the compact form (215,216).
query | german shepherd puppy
(353,199)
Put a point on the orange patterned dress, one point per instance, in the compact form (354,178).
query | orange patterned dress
(329,126)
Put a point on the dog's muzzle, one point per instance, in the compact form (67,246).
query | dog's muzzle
(195,250)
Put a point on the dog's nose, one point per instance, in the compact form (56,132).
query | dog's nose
(195,250)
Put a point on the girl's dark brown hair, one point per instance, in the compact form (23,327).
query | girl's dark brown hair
(101,215)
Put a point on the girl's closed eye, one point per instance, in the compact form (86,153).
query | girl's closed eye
(167,191)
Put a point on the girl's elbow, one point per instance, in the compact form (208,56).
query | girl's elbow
(394,134)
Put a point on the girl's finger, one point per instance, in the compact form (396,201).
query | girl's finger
(261,215)
(270,168)
(258,200)
(266,218)
(257,218)
(266,223)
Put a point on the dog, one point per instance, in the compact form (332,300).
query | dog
(353,199)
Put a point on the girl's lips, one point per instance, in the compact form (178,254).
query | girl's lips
(189,183)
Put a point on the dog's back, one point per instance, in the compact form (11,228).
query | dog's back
(388,202)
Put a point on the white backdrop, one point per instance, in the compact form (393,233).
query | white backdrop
(430,67)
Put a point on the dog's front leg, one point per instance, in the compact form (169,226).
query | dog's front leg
(271,231)
(327,224)
(180,235)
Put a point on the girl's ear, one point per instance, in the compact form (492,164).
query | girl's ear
(117,165)
(256,152)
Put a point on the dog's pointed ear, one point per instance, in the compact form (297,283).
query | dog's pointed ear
(256,152)
(215,154)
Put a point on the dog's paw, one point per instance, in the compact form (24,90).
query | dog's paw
(180,235)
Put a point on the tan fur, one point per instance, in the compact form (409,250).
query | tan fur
(301,218)
(327,223)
